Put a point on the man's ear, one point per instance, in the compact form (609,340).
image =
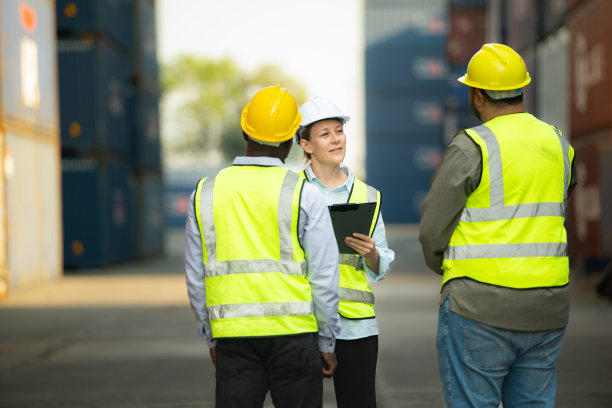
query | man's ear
(479,98)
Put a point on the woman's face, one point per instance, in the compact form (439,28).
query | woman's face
(327,144)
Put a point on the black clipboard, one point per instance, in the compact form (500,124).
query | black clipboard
(350,218)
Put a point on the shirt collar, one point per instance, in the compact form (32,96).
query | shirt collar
(257,161)
(348,184)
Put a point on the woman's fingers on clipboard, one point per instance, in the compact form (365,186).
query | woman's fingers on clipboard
(361,243)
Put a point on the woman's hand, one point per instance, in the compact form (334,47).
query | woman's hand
(366,247)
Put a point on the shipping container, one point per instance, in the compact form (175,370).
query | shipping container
(590,68)
(496,22)
(458,93)
(178,186)
(457,120)
(419,23)
(28,70)
(100,18)
(397,68)
(100,220)
(530,92)
(605,188)
(33,209)
(143,53)
(30,206)
(150,209)
(144,126)
(552,81)
(553,15)
(466,4)
(467,29)
(93,93)
(586,207)
(573,4)
(523,25)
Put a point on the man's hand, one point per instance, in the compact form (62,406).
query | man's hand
(366,247)
(329,364)
(213,356)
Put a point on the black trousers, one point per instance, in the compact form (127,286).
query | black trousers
(288,366)
(355,376)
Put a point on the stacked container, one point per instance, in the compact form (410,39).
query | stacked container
(590,121)
(144,129)
(467,27)
(99,191)
(405,71)
(30,206)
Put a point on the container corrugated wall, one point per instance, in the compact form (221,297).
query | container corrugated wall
(100,221)
(99,18)
(30,212)
(406,88)
(93,88)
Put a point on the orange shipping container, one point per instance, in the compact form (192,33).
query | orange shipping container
(590,56)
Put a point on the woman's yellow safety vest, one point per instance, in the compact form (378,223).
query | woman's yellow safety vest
(255,268)
(511,232)
(356,296)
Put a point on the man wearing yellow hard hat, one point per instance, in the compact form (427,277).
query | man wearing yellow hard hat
(492,225)
(261,262)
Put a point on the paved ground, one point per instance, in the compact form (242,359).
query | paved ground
(124,337)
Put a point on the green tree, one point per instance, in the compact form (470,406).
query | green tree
(210,95)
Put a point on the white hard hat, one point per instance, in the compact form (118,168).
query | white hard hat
(318,108)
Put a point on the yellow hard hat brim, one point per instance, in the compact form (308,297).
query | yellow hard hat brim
(466,81)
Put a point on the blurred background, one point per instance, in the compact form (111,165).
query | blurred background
(110,111)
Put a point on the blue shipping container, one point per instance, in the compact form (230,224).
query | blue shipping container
(93,81)
(405,117)
(98,212)
(112,17)
(150,204)
(398,68)
(178,187)
(144,126)
(143,53)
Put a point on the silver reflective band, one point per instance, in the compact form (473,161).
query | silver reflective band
(354,295)
(513,211)
(238,310)
(566,163)
(496,175)
(208,223)
(285,207)
(351,260)
(463,252)
(371,195)
(255,266)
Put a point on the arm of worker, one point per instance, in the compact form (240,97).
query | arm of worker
(316,234)
(375,254)
(194,271)
(454,180)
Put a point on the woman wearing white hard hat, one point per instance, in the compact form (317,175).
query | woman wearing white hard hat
(321,136)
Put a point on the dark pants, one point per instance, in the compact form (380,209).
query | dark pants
(355,377)
(288,366)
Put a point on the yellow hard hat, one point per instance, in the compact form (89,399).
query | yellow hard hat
(496,67)
(271,116)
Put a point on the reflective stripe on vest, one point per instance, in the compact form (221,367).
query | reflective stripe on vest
(253,288)
(518,259)
(356,296)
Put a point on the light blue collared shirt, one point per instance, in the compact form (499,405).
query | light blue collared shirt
(316,234)
(358,328)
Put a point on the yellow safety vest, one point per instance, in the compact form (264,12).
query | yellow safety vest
(255,268)
(511,230)
(356,296)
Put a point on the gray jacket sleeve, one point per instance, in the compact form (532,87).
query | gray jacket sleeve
(454,180)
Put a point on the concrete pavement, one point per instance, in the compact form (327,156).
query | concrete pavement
(124,337)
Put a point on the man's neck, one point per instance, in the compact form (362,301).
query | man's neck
(494,112)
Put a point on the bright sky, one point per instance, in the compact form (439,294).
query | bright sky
(318,42)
